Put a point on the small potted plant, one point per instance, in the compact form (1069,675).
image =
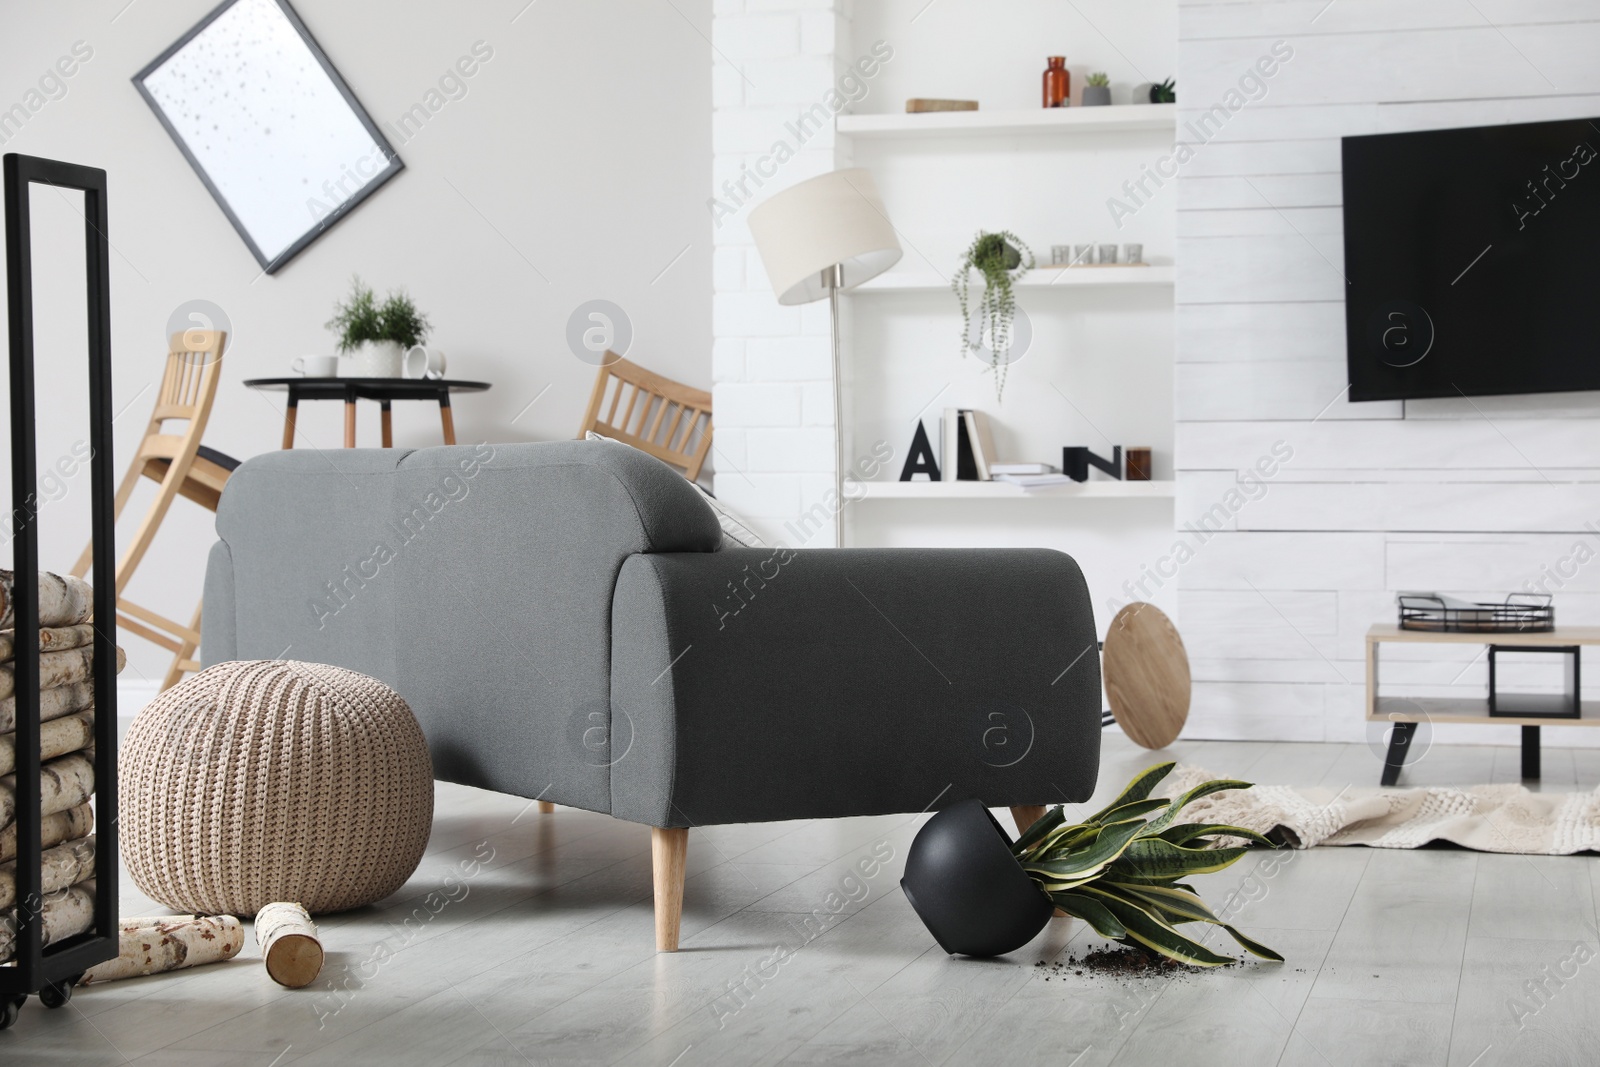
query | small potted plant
(980,894)
(378,334)
(1097,90)
(1164,92)
(1000,258)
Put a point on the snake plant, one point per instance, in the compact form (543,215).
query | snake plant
(1122,872)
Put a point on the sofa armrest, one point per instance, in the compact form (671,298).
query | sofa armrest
(760,684)
(219,627)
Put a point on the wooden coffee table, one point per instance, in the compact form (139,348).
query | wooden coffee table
(383,390)
(1407,712)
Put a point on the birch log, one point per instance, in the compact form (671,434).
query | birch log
(63,783)
(51,639)
(53,703)
(66,825)
(289,944)
(168,943)
(59,867)
(56,738)
(57,669)
(69,912)
(63,601)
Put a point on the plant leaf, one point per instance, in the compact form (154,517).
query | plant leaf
(1188,831)
(1255,948)
(1216,785)
(1183,906)
(1150,931)
(1092,912)
(1131,811)
(1106,847)
(1041,826)
(1154,861)
(1137,789)
(1176,904)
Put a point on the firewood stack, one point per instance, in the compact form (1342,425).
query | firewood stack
(66,781)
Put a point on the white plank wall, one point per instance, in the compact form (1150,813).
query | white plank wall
(1473,497)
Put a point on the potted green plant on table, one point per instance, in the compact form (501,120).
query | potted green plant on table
(999,258)
(1097,90)
(378,334)
(1119,871)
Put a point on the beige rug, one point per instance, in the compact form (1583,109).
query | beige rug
(1487,818)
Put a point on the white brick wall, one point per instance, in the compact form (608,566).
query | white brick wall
(771,365)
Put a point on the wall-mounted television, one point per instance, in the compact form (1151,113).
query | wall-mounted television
(1472,258)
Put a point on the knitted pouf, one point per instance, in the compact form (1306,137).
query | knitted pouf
(264,780)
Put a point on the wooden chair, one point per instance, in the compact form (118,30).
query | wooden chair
(665,418)
(183,467)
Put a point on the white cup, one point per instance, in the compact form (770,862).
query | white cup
(424,362)
(316,366)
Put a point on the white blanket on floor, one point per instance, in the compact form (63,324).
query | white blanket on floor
(1487,818)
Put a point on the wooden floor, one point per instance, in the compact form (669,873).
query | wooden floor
(544,956)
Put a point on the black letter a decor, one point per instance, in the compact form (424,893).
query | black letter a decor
(920,460)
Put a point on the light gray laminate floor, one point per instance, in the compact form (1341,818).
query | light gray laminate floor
(544,956)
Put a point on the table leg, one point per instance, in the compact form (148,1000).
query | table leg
(1399,748)
(388,426)
(1530,752)
(289,415)
(446,418)
(350,422)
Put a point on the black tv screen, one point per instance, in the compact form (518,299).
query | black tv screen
(1472,258)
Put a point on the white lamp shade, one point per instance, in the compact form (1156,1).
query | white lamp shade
(835,219)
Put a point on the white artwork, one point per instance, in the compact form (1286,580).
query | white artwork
(269,126)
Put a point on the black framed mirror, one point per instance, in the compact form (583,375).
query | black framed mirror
(269,126)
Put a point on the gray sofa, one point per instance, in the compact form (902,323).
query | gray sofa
(566,626)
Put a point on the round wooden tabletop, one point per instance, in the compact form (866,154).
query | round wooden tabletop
(1147,675)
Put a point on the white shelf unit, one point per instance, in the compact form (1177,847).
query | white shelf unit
(1044,277)
(1061,120)
(1096,490)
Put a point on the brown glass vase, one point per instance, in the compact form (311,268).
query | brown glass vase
(1057,82)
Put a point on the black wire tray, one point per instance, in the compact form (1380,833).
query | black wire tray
(1518,613)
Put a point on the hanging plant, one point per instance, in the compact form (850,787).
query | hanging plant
(1000,258)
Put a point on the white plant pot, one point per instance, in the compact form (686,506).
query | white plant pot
(379,359)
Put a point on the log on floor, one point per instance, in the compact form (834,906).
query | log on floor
(164,943)
(289,944)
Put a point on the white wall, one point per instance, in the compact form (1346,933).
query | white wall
(1377,497)
(580,152)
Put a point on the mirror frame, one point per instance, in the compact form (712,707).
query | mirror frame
(392,166)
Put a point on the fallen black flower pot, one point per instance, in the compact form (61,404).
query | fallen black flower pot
(967,887)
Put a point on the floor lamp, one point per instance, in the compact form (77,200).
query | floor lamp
(816,239)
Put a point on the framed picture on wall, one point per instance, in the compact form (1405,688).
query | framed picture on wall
(269,126)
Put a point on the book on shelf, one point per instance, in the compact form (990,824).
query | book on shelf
(1035,481)
(997,469)
(967,446)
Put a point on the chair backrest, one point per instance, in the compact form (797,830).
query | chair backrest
(188,386)
(666,419)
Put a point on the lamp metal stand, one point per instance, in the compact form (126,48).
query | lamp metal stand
(833,281)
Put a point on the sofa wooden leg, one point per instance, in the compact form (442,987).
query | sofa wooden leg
(668,847)
(546,807)
(1025,815)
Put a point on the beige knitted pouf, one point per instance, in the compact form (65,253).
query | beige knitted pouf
(265,780)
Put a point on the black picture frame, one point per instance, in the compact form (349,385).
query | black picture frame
(55,966)
(392,162)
